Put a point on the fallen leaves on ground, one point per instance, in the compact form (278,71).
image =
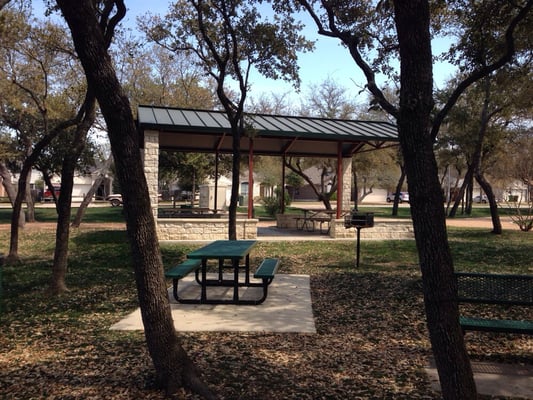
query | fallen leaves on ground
(371,343)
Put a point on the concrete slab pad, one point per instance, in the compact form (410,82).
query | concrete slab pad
(496,379)
(286,309)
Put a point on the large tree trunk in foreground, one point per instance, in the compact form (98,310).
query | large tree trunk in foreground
(416,102)
(173,367)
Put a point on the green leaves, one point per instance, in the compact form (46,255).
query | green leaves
(229,37)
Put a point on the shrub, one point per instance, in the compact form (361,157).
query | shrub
(272,204)
(522,216)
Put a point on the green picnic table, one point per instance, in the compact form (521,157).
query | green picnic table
(228,254)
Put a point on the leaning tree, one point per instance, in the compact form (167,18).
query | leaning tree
(174,369)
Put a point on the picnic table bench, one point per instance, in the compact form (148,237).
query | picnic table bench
(311,217)
(503,289)
(181,271)
(266,271)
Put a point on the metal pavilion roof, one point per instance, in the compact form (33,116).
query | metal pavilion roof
(208,131)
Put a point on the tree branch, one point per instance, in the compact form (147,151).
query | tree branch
(352,42)
(483,71)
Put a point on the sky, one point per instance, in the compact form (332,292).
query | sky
(329,60)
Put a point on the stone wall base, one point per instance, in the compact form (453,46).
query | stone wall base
(203,229)
(382,229)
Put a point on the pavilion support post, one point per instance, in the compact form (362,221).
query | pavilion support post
(347,184)
(251,180)
(151,166)
(340,177)
(344,182)
(282,205)
(215,206)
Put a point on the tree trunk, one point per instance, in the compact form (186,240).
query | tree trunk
(48,183)
(355,189)
(495,215)
(86,201)
(485,185)
(11,191)
(3,3)
(64,209)
(235,183)
(17,215)
(64,205)
(461,193)
(235,119)
(90,194)
(173,367)
(453,192)
(319,195)
(440,291)
(6,182)
(30,205)
(59,268)
(398,190)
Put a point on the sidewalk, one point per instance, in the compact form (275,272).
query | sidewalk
(286,309)
(267,231)
(495,379)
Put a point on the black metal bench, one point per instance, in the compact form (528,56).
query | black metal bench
(182,270)
(503,289)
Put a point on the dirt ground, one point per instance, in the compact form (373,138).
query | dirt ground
(507,223)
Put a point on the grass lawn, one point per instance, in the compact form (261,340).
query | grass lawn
(371,341)
(49,214)
(385,211)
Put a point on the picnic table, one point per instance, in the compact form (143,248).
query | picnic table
(233,255)
(311,217)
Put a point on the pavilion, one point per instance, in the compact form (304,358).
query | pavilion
(203,131)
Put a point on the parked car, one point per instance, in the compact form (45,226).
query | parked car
(402,196)
(47,194)
(114,199)
(480,199)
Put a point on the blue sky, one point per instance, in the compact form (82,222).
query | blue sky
(329,60)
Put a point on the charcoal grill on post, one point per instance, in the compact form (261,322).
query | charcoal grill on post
(359,221)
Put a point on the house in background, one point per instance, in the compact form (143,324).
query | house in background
(82,185)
